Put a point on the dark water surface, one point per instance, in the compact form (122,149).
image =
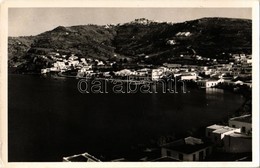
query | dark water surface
(49,119)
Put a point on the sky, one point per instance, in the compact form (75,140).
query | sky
(33,21)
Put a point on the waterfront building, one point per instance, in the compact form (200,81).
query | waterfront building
(189,76)
(208,83)
(157,73)
(124,72)
(43,71)
(54,69)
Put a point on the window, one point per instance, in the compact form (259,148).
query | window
(180,156)
(216,138)
(168,153)
(243,129)
(194,157)
(207,151)
(201,155)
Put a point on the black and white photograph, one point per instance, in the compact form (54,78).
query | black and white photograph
(135,84)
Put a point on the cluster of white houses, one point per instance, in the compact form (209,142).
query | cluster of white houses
(218,73)
(65,63)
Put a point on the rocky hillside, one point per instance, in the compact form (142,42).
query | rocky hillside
(159,42)
(208,37)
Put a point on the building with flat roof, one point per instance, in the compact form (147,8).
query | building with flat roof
(237,143)
(208,83)
(187,149)
(165,159)
(84,157)
(244,122)
(216,133)
(212,128)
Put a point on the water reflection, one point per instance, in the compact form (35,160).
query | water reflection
(58,120)
(214,90)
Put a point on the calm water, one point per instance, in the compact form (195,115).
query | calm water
(49,119)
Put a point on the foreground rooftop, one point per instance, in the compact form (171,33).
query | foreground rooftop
(224,130)
(244,118)
(84,157)
(187,145)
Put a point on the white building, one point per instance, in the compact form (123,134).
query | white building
(244,122)
(83,60)
(189,76)
(208,83)
(237,143)
(54,69)
(249,61)
(100,63)
(171,42)
(73,57)
(124,72)
(187,149)
(212,128)
(217,132)
(60,65)
(73,63)
(43,71)
(158,73)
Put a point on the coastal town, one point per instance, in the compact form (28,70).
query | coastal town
(236,71)
(137,90)
(231,141)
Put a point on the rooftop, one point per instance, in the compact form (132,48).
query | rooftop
(165,159)
(215,126)
(187,145)
(237,134)
(244,118)
(84,157)
(224,130)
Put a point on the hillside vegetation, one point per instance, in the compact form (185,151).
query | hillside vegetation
(159,42)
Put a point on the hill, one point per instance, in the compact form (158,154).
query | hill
(208,37)
(158,41)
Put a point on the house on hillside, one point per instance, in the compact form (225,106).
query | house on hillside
(73,57)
